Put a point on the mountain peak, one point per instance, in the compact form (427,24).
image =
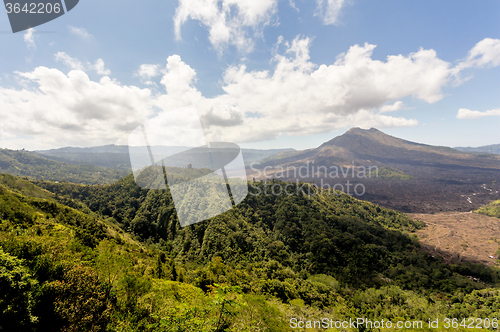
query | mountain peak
(356,133)
(356,130)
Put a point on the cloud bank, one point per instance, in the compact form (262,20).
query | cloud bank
(465,113)
(297,97)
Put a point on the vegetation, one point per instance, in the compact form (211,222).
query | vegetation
(114,258)
(33,165)
(492,209)
(392,174)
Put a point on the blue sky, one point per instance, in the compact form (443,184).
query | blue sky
(264,74)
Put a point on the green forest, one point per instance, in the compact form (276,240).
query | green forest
(113,257)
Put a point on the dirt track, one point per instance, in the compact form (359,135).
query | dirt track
(460,236)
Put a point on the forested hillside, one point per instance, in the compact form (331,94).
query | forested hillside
(34,165)
(114,258)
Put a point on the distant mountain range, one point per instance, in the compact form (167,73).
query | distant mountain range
(494,148)
(412,177)
(34,165)
(117,156)
(409,176)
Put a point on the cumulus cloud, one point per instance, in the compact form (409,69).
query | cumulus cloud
(81,32)
(178,79)
(329,10)
(229,22)
(147,71)
(296,97)
(29,39)
(485,53)
(392,108)
(99,67)
(299,97)
(72,63)
(465,113)
(71,109)
(75,64)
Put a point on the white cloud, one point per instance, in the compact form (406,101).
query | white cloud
(465,113)
(81,32)
(147,71)
(329,10)
(6,135)
(99,67)
(296,97)
(178,80)
(29,38)
(75,64)
(71,109)
(292,4)
(301,98)
(485,53)
(229,22)
(72,63)
(392,108)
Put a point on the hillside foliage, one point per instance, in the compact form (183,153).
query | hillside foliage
(114,258)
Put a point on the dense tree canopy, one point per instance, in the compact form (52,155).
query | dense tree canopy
(114,257)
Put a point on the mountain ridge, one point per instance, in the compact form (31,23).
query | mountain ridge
(422,178)
(492,148)
(362,145)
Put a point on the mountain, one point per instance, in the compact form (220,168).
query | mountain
(117,156)
(404,175)
(494,148)
(114,257)
(373,147)
(34,165)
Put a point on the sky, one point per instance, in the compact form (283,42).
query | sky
(260,73)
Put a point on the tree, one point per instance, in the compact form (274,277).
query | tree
(111,263)
(82,301)
(16,286)
(174,271)
(225,303)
